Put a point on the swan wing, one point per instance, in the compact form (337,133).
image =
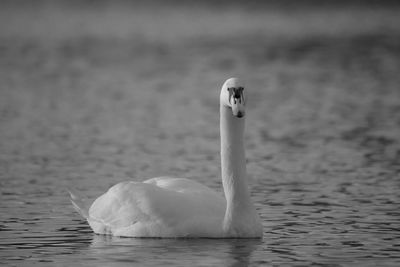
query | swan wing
(159,207)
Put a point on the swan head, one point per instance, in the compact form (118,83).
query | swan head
(232,96)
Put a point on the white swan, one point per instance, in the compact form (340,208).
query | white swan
(178,207)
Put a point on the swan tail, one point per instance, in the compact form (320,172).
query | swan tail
(80,203)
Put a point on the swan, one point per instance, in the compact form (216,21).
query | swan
(167,207)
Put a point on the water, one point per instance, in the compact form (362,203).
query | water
(95,95)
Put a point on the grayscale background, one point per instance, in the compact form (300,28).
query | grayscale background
(93,93)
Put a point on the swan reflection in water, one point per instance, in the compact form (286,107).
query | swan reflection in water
(160,252)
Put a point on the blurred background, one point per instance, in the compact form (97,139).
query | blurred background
(97,92)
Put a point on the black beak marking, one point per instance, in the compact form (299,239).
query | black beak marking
(237,93)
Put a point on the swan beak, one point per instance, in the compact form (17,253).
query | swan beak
(238,106)
(236,101)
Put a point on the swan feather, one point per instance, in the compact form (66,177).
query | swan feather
(162,207)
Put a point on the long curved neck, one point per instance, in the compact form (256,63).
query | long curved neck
(233,167)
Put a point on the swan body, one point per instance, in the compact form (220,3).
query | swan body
(170,207)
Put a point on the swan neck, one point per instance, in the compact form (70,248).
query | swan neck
(233,162)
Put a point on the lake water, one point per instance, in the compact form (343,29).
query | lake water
(94,95)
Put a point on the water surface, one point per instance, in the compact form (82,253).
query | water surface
(91,96)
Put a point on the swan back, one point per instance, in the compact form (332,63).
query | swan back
(159,207)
